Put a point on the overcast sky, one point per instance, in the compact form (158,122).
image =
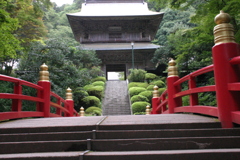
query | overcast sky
(61,2)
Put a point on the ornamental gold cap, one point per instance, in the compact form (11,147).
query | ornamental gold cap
(172,68)
(44,74)
(155,92)
(223,31)
(69,94)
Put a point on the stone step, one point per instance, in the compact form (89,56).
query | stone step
(47,136)
(116,100)
(201,154)
(206,154)
(176,143)
(159,126)
(165,133)
(43,146)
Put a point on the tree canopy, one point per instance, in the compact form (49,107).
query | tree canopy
(186,32)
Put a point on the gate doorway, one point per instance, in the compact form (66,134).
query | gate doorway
(112,71)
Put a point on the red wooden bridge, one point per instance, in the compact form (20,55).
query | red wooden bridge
(163,135)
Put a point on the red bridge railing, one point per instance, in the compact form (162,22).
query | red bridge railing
(226,68)
(45,100)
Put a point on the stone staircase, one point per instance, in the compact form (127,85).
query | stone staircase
(116,99)
(172,137)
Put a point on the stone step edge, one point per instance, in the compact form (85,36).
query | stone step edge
(125,153)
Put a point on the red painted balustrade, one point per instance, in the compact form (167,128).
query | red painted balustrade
(226,68)
(48,104)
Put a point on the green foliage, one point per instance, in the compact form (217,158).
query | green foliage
(136,90)
(150,87)
(207,99)
(137,84)
(138,98)
(136,75)
(91,101)
(94,111)
(158,83)
(161,90)
(150,77)
(140,113)
(147,94)
(78,94)
(5,104)
(139,107)
(98,83)
(96,91)
(103,79)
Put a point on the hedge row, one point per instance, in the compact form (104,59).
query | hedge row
(94,93)
(141,91)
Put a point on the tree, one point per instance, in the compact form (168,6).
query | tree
(192,45)
(20,23)
(61,58)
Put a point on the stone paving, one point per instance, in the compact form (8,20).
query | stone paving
(107,120)
(116,100)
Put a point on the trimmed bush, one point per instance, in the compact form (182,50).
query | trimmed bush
(91,101)
(158,83)
(136,75)
(103,79)
(138,98)
(94,111)
(137,84)
(96,91)
(139,107)
(88,86)
(147,94)
(136,90)
(78,94)
(161,90)
(150,87)
(99,83)
(150,77)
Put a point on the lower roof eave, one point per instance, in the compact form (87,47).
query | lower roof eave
(119,46)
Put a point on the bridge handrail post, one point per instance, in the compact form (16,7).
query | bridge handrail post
(155,100)
(70,102)
(17,103)
(45,93)
(225,48)
(171,88)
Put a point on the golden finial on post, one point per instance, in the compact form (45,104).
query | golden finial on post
(223,31)
(147,110)
(69,94)
(82,112)
(155,92)
(172,68)
(44,74)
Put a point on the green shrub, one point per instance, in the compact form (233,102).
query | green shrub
(159,83)
(150,87)
(140,113)
(99,83)
(150,77)
(137,84)
(138,98)
(78,94)
(94,111)
(103,79)
(88,86)
(147,94)
(136,75)
(139,107)
(96,91)
(161,90)
(136,90)
(91,101)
